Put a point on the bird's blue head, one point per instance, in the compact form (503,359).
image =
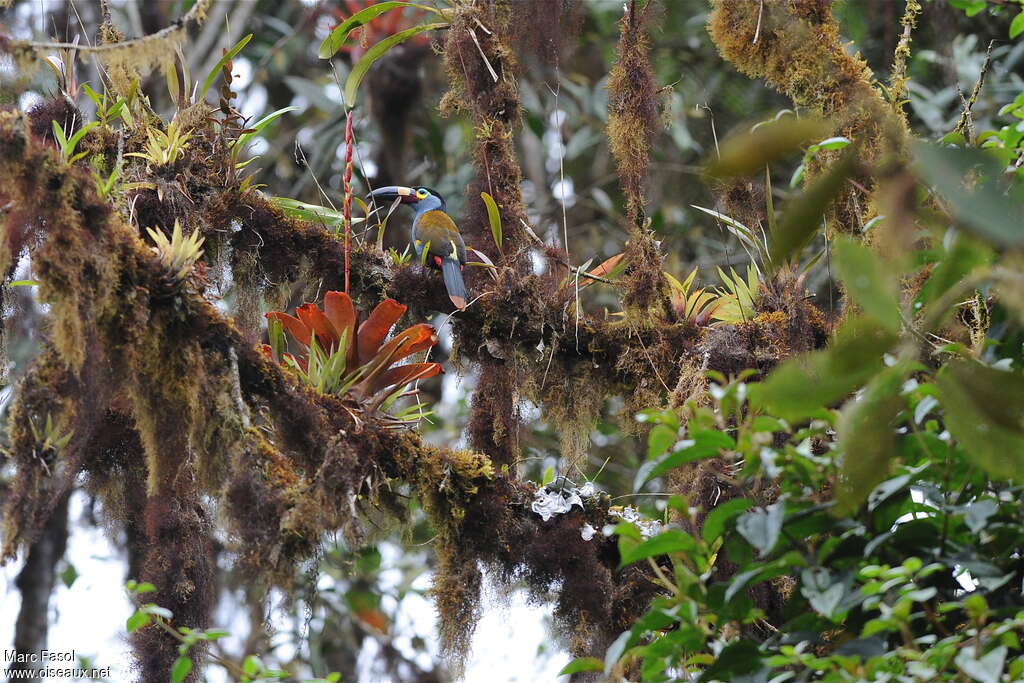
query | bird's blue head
(420,198)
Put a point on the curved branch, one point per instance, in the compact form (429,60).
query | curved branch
(197,15)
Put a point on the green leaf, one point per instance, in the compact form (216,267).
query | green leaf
(824,595)
(720,515)
(368,560)
(144,587)
(628,530)
(783,566)
(96,98)
(549,476)
(252,665)
(866,436)
(963,254)
(833,143)
(766,144)
(493,217)
(977,513)
(245,138)
(23,283)
(581,664)
(69,575)
(742,232)
(339,35)
(311,212)
(671,541)
(221,62)
(215,634)
(158,611)
(805,384)
(804,215)
(984,409)
(58,135)
(1017,25)
(762,526)
(617,649)
(361,67)
(77,137)
(660,440)
(137,621)
(733,662)
(702,444)
(868,283)
(969,7)
(985,208)
(182,668)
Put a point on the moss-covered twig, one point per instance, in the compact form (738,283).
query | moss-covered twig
(965,125)
(898,80)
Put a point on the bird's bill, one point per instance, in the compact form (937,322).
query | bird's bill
(393,192)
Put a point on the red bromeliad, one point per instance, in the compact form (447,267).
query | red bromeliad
(339,356)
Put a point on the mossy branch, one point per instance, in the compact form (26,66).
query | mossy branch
(799,53)
(197,14)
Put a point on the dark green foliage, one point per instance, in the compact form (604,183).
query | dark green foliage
(921,575)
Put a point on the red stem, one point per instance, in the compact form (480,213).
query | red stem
(347,186)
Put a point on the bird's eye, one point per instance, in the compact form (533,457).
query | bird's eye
(421,194)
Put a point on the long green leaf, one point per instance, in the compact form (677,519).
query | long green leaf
(867,436)
(339,35)
(77,137)
(355,77)
(742,232)
(58,135)
(181,669)
(805,384)
(493,216)
(581,664)
(984,413)
(867,282)
(803,216)
(985,208)
(311,212)
(221,62)
(670,541)
(748,153)
(257,128)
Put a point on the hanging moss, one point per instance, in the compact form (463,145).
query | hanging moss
(632,109)
(633,121)
(482,71)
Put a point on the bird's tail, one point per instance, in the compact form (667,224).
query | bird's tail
(452,273)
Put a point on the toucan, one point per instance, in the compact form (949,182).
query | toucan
(433,230)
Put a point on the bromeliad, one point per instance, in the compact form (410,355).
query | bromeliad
(337,354)
(434,235)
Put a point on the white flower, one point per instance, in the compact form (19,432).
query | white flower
(648,527)
(588,489)
(548,503)
(587,532)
